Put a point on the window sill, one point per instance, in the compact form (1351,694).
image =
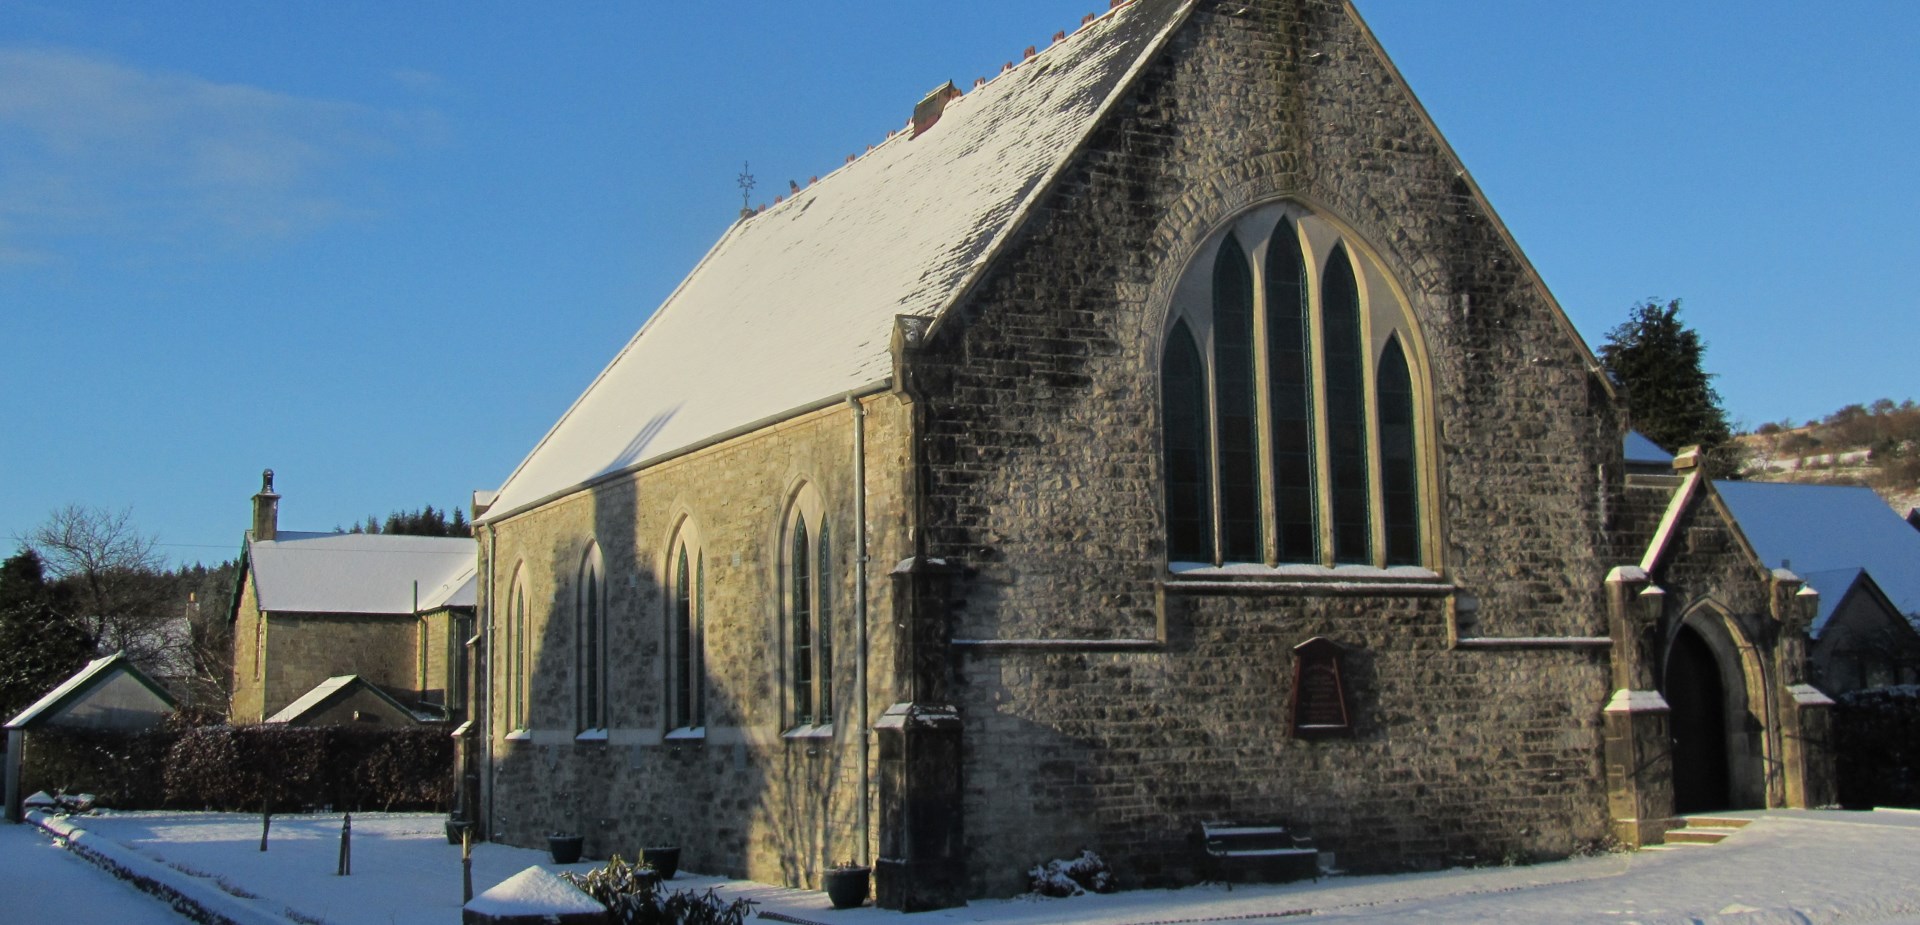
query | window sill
(591,737)
(688,734)
(813,733)
(1398,580)
(519,735)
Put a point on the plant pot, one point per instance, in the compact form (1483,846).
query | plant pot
(457,828)
(565,848)
(847,886)
(664,860)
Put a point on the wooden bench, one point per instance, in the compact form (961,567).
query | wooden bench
(1274,852)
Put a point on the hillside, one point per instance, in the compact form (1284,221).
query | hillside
(1876,445)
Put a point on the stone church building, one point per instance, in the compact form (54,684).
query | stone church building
(1164,431)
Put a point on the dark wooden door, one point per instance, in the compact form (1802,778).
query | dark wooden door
(1697,697)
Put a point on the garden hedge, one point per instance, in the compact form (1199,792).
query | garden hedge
(247,767)
(1877,747)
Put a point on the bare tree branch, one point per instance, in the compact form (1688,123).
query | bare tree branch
(121,592)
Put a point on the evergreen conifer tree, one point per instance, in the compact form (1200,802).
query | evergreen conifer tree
(1670,395)
(39,647)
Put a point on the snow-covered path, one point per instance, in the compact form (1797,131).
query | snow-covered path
(1787,867)
(40,883)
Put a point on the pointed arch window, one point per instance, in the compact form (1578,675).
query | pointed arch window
(1290,403)
(686,643)
(517,668)
(807,576)
(1399,463)
(590,703)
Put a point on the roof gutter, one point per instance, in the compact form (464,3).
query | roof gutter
(838,398)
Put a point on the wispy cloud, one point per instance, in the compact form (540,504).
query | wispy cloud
(93,147)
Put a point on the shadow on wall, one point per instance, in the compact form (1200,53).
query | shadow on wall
(741,800)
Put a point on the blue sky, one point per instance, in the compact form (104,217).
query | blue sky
(381,247)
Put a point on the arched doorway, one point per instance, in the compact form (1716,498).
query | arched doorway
(1697,697)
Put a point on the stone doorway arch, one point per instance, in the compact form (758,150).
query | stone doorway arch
(1715,682)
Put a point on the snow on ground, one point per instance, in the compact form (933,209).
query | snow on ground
(41,883)
(1788,867)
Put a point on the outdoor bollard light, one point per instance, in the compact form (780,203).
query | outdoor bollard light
(346,846)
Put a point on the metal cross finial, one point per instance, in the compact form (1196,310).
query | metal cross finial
(746,186)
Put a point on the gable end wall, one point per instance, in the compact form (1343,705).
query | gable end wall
(1044,478)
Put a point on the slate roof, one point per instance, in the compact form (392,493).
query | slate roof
(96,673)
(795,306)
(361,572)
(1823,529)
(1642,451)
(1833,585)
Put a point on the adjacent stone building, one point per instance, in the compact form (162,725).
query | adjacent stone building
(393,611)
(1863,560)
(1165,431)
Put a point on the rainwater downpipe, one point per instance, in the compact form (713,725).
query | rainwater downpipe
(860,621)
(419,646)
(483,680)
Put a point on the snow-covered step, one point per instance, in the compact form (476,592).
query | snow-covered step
(1716,822)
(1704,830)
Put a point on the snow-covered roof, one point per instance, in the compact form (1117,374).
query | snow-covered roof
(330,691)
(796,305)
(1817,529)
(96,673)
(1641,450)
(462,590)
(359,572)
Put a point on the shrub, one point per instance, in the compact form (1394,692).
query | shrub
(633,896)
(122,769)
(1072,876)
(1876,735)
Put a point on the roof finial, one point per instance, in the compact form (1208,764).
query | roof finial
(746,184)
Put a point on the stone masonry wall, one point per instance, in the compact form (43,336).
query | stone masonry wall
(746,800)
(306,649)
(249,690)
(440,624)
(1864,645)
(1044,478)
(1705,564)
(1708,575)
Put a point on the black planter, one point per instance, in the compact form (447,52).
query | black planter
(565,848)
(457,828)
(847,886)
(665,861)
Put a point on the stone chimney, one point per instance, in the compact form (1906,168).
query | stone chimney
(266,510)
(929,110)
